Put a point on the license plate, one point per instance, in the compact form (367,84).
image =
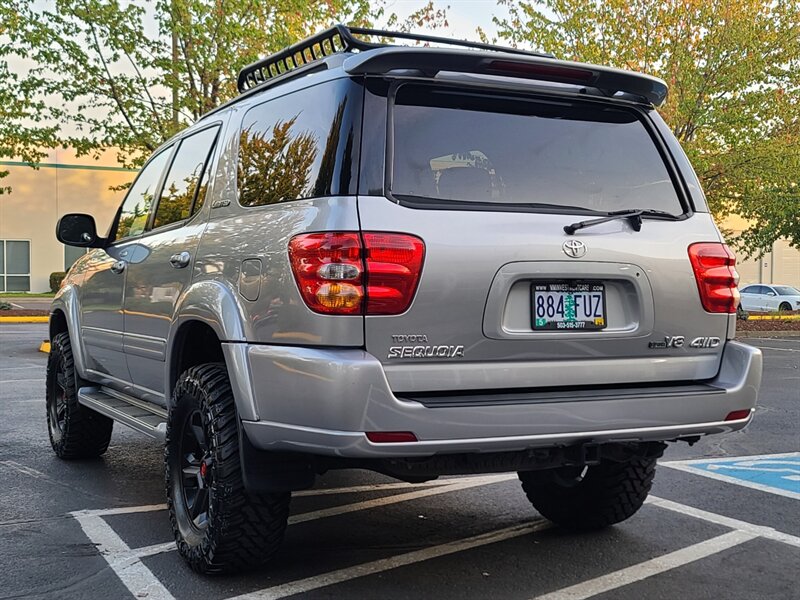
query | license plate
(568,305)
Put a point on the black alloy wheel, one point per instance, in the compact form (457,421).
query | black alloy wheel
(196,466)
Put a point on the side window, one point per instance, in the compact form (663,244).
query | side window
(136,208)
(186,178)
(750,289)
(297,146)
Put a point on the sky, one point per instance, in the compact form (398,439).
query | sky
(463,16)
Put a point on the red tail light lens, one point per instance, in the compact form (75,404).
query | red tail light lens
(715,272)
(336,271)
(394,264)
(329,271)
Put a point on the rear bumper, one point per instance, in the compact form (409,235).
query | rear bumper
(322,401)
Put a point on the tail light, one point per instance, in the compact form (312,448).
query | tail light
(715,272)
(345,273)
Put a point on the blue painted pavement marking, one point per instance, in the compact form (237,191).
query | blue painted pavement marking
(774,473)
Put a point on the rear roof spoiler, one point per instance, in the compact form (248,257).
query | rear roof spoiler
(365,57)
(430,61)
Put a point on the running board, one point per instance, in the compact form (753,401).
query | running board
(145,417)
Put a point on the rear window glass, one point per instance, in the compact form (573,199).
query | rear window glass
(300,145)
(453,145)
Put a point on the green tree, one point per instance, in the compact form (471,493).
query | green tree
(99,73)
(733,69)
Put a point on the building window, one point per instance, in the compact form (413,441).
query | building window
(71,254)
(15,266)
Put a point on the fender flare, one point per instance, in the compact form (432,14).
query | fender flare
(217,305)
(67,303)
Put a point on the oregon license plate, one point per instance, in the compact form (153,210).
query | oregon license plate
(568,305)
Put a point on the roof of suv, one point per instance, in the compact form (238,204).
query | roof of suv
(344,48)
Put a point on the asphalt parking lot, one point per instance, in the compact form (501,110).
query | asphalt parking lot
(97,529)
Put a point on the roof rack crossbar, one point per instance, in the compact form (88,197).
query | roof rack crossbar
(338,39)
(417,37)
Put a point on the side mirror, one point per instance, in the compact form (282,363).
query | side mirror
(770,293)
(77,229)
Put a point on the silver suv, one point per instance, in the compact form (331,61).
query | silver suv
(422,261)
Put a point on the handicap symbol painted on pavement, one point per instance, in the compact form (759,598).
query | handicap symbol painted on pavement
(774,473)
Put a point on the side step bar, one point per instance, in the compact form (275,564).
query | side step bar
(144,417)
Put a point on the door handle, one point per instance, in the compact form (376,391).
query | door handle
(180,260)
(118,267)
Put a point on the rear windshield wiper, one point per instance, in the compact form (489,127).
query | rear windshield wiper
(634,216)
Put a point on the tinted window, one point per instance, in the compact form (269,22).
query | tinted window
(183,178)
(136,208)
(750,289)
(785,290)
(450,145)
(298,146)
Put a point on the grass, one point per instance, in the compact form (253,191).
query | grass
(26,295)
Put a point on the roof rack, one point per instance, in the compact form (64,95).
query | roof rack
(338,39)
(384,58)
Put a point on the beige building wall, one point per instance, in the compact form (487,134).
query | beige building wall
(64,183)
(780,265)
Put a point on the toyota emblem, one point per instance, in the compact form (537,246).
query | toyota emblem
(574,248)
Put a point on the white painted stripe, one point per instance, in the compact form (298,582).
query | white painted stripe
(759,530)
(375,487)
(161,548)
(461,483)
(21,368)
(660,564)
(387,500)
(41,379)
(688,467)
(386,564)
(121,510)
(778,349)
(134,575)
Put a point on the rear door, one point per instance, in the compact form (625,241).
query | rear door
(507,299)
(161,262)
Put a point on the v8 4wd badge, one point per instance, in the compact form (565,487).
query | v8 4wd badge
(678,341)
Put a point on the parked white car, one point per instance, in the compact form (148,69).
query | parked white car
(770,297)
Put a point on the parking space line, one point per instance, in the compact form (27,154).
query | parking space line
(660,564)
(373,487)
(386,564)
(759,530)
(387,500)
(134,575)
(140,581)
(121,510)
(778,349)
(461,483)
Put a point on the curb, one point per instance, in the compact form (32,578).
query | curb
(24,319)
(775,333)
(773,317)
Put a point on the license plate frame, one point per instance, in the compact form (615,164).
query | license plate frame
(563,288)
